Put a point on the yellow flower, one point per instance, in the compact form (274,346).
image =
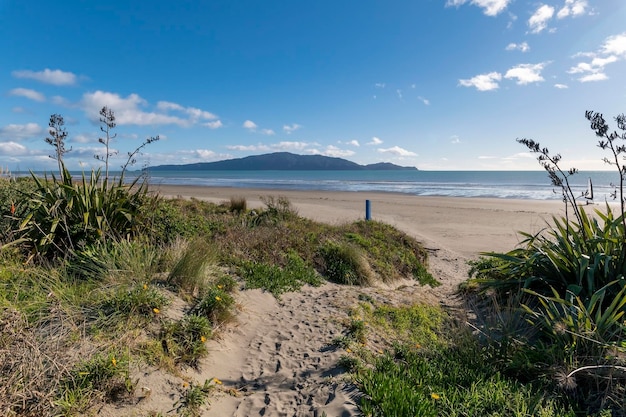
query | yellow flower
(217,381)
(435,396)
(114,361)
(417,345)
(220,287)
(156,310)
(185,385)
(348,350)
(218,298)
(202,339)
(145,286)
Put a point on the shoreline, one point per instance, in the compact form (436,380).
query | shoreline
(465,225)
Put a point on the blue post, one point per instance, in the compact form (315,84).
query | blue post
(368,210)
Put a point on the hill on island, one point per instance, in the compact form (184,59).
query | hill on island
(281,161)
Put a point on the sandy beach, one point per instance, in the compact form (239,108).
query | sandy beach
(464,225)
(275,360)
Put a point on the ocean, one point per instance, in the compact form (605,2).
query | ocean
(530,185)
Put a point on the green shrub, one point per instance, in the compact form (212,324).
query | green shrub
(345,264)
(103,376)
(137,300)
(63,216)
(185,339)
(217,305)
(279,280)
(190,271)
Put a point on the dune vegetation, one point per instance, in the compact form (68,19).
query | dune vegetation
(100,277)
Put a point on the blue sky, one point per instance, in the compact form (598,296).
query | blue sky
(436,84)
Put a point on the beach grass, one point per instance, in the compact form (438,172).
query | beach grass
(83,310)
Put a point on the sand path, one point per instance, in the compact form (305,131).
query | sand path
(276,361)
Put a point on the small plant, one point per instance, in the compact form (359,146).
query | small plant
(137,300)
(190,272)
(238,204)
(185,339)
(279,280)
(194,398)
(345,264)
(103,376)
(217,305)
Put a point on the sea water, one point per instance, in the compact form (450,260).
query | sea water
(533,185)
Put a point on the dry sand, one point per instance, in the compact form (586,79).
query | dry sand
(276,360)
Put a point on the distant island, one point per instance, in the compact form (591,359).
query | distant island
(282,161)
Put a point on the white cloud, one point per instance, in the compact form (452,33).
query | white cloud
(598,76)
(83,138)
(455,139)
(560,86)
(47,76)
(399,93)
(424,100)
(526,73)
(483,82)
(28,93)
(379,85)
(612,50)
(539,20)
(615,45)
(490,7)
(375,141)
(289,129)
(572,8)
(268,132)
(213,125)
(205,153)
(250,125)
(353,142)
(336,152)
(127,110)
(398,151)
(13,149)
(17,132)
(286,145)
(249,148)
(194,114)
(524,47)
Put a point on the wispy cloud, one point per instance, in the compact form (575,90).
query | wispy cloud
(523,47)
(455,139)
(194,114)
(380,85)
(526,73)
(128,110)
(48,76)
(353,142)
(28,93)
(561,86)
(424,100)
(612,50)
(539,20)
(213,125)
(337,152)
(19,132)
(483,82)
(397,151)
(13,149)
(248,148)
(490,7)
(289,129)
(375,141)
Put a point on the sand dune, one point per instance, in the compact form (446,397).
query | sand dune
(276,360)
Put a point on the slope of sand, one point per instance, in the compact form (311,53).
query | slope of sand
(276,360)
